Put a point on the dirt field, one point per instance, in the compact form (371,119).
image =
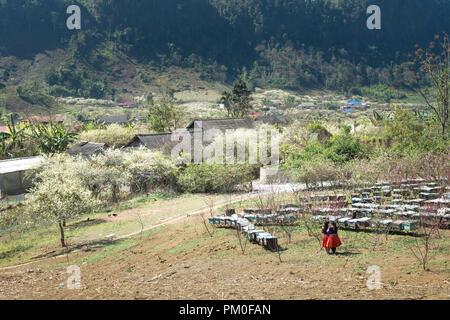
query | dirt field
(181,261)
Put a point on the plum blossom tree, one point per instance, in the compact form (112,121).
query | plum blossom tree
(57,199)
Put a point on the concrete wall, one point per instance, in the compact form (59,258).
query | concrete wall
(273,175)
(14,183)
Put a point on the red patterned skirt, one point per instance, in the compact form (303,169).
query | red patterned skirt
(333,241)
(324,241)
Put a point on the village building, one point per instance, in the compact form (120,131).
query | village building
(140,118)
(85,148)
(272,119)
(222,124)
(286,107)
(354,103)
(128,105)
(120,119)
(348,109)
(256,114)
(163,141)
(13,175)
(160,141)
(306,105)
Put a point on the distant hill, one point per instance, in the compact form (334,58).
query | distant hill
(125,46)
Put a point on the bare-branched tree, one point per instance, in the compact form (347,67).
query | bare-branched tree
(433,64)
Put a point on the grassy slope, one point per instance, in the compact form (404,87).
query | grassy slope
(126,218)
(182,261)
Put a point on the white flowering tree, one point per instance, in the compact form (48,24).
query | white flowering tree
(110,172)
(145,169)
(67,187)
(59,195)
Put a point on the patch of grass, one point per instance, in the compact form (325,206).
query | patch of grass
(187,245)
(27,245)
(144,200)
(115,247)
(109,250)
(39,240)
(14,251)
(150,233)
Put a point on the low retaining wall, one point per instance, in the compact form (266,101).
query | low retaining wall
(273,175)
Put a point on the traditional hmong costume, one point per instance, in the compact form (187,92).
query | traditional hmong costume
(333,238)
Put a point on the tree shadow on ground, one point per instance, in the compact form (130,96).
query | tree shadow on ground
(11,253)
(346,253)
(85,246)
(84,223)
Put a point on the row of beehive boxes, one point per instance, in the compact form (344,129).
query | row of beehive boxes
(261,237)
(362,223)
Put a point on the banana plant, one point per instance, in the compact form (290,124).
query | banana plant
(52,138)
(11,139)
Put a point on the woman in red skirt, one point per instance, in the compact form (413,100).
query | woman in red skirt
(325,236)
(333,239)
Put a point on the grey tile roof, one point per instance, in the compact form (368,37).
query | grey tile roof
(223,124)
(113,119)
(152,141)
(87,148)
(163,140)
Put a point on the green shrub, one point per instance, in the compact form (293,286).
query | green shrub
(338,149)
(343,147)
(406,133)
(107,173)
(213,178)
(314,172)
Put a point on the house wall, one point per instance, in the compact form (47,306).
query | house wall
(14,183)
(272,175)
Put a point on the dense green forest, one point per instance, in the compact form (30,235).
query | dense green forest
(277,43)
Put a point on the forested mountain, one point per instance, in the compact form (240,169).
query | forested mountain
(279,43)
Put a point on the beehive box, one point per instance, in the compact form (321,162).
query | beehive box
(253,235)
(409,225)
(385,223)
(271,243)
(397,225)
(363,223)
(343,222)
(352,224)
(261,236)
(257,211)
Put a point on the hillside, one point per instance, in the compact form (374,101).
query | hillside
(129,48)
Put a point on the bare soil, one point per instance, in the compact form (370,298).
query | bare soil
(182,261)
